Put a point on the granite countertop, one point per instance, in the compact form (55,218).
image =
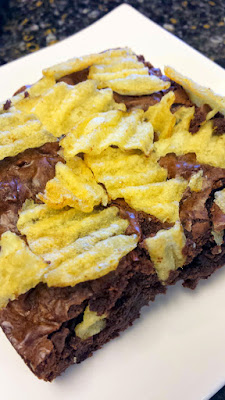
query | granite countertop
(28,25)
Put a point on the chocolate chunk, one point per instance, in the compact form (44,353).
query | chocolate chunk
(199,117)
(219,126)
(7,105)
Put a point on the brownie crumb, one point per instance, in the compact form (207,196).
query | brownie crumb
(7,105)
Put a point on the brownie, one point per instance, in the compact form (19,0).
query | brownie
(41,323)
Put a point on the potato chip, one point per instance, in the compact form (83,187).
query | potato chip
(74,185)
(79,63)
(102,76)
(198,94)
(183,117)
(19,131)
(161,117)
(33,93)
(165,250)
(117,169)
(220,199)
(136,85)
(20,269)
(63,106)
(78,246)
(158,199)
(91,325)
(126,76)
(196,181)
(209,148)
(127,130)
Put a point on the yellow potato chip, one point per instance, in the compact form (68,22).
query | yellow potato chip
(19,131)
(159,199)
(33,93)
(63,106)
(183,117)
(209,148)
(161,117)
(127,130)
(126,76)
(135,85)
(196,181)
(80,63)
(117,169)
(165,250)
(220,199)
(74,185)
(78,246)
(126,62)
(198,94)
(102,76)
(91,325)
(20,269)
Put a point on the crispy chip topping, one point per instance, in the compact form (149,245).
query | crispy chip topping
(161,117)
(159,199)
(133,83)
(117,169)
(209,148)
(80,63)
(63,106)
(198,94)
(165,250)
(19,131)
(78,246)
(109,153)
(20,269)
(74,186)
(127,130)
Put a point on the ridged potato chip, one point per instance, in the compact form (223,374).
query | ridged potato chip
(78,246)
(165,250)
(161,117)
(20,269)
(198,94)
(26,100)
(79,63)
(19,131)
(74,185)
(159,199)
(117,169)
(126,76)
(127,130)
(62,106)
(135,85)
(34,94)
(209,148)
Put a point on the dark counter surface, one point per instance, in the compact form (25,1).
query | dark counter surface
(28,25)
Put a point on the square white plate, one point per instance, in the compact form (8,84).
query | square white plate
(176,350)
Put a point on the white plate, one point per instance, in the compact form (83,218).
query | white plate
(176,350)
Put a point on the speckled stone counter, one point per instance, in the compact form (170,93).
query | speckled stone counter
(28,25)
